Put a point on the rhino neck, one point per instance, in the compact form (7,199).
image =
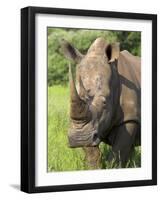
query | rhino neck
(115,98)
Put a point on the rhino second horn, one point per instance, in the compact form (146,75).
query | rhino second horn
(79,109)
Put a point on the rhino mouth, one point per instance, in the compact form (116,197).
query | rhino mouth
(79,139)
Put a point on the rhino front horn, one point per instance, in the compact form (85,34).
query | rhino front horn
(79,109)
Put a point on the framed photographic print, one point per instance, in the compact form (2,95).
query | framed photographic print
(88,99)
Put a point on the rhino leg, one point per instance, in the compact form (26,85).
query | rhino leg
(92,157)
(123,142)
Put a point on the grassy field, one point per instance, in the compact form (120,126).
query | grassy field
(60,156)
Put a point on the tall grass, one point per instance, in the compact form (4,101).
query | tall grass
(60,156)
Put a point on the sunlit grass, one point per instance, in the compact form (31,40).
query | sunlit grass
(60,156)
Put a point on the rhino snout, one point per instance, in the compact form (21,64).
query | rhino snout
(79,139)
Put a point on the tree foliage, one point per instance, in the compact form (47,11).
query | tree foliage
(82,39)
(130,41)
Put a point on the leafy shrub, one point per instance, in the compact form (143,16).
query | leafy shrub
(82,39)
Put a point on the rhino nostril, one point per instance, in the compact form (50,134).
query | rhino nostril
(95,136)
(96,139)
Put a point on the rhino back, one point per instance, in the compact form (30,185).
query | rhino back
(129,68)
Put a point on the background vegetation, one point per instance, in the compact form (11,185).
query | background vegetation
(60,156)
(82,39)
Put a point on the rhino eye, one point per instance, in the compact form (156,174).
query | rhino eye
(104,100)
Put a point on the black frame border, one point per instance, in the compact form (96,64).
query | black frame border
(28,98)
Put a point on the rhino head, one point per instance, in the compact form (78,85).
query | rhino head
(94,93)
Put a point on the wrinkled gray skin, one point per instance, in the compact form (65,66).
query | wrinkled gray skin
(104,101)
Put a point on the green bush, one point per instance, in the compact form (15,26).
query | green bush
(130,41)
(82,39)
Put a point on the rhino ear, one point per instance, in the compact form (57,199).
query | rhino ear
(70,52)
(113,51)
